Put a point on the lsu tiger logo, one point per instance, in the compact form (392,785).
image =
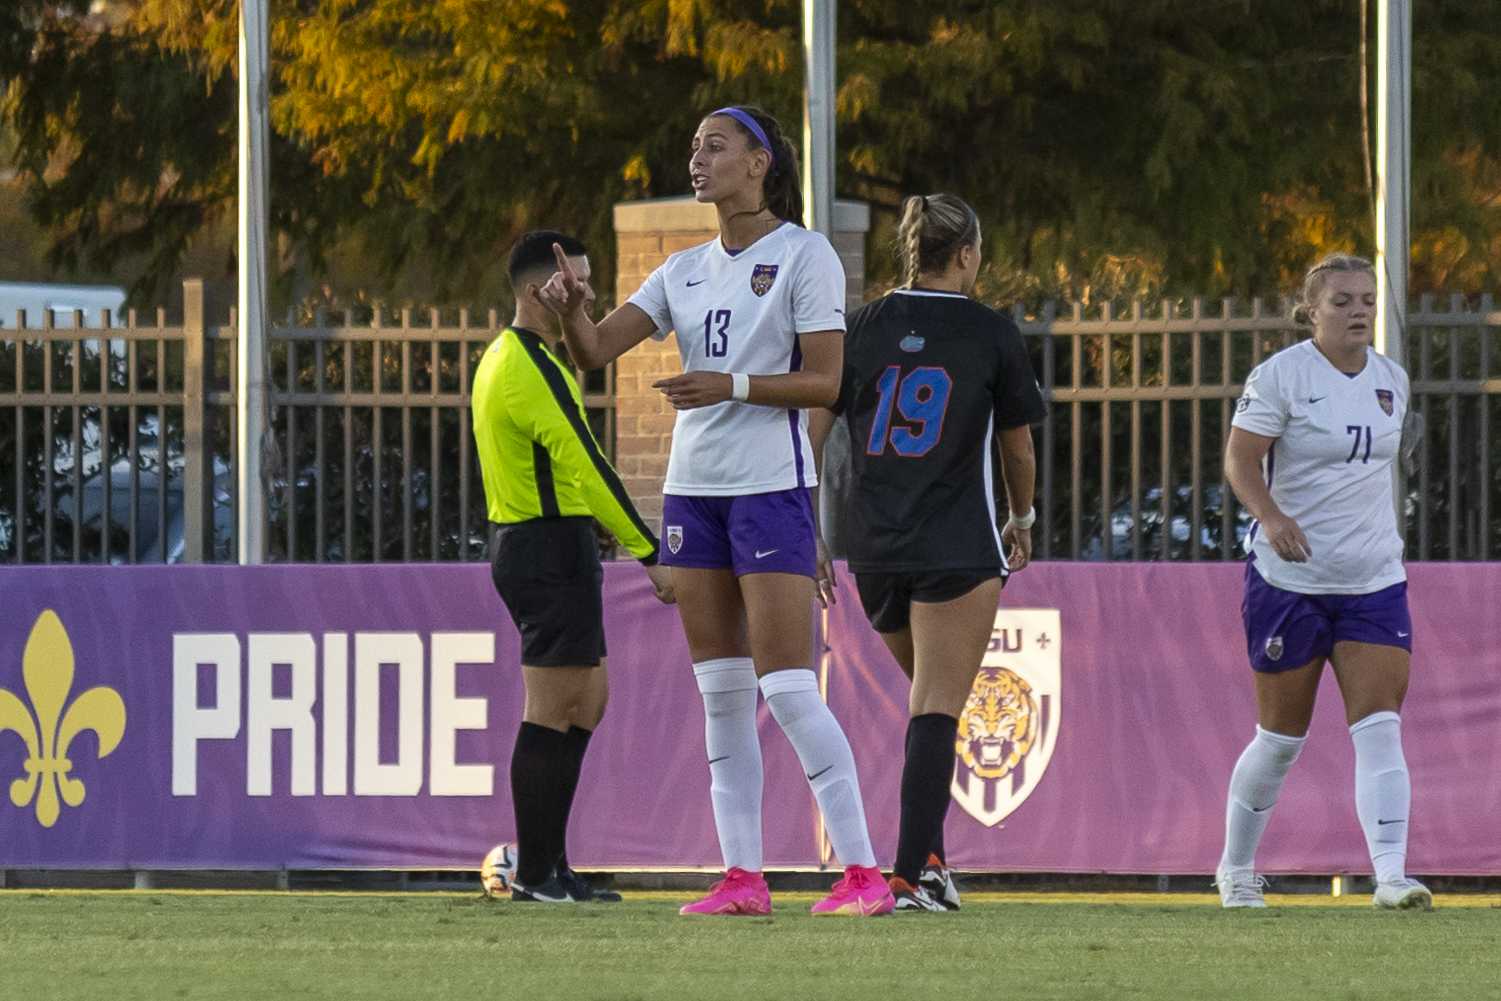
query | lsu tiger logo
(1009,727)
(762,277)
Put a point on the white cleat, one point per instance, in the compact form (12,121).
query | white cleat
(1240,888)
(916,898)
(938,880)
(1403,895)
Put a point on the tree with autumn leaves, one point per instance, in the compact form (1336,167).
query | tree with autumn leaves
(1112,148)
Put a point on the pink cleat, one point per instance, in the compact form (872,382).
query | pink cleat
(740,892)
(862,891)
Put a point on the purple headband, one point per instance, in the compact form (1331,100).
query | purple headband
(750,124)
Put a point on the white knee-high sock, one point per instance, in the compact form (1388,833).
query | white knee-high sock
(728,686)
(1383,792)
(827,760)
(1254,786)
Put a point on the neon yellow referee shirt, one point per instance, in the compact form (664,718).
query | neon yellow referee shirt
(537,455)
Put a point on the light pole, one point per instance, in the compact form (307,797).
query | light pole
(250,368)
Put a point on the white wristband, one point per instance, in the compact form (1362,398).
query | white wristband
(1025,522)
(739,386)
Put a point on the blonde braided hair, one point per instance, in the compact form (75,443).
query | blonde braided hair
(931,230)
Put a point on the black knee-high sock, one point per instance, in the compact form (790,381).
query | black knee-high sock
(578,746)
(538,766)
(925,790)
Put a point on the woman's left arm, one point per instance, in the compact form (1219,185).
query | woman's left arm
(815,385)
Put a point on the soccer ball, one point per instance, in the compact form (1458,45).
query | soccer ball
(498,870)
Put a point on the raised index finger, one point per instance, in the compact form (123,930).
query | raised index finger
(563,265)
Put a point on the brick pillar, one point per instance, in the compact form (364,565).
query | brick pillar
(645,233)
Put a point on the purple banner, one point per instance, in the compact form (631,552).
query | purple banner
(362,716)
(1123,766)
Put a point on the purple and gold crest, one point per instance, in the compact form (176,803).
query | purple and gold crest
(762,277)
(1384,397)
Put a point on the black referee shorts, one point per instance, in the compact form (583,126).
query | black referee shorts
(547,572)
(887,597)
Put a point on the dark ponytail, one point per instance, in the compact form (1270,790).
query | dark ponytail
(782,188)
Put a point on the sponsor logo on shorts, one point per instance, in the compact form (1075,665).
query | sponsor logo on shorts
(762,277)
(1274,648)
(1009,728)
(1387,401)
(761,554)
(674,538)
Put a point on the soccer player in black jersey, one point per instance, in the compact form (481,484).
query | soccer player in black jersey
(932,381)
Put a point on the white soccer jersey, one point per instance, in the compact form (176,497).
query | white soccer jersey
(742,313)
(1330,467)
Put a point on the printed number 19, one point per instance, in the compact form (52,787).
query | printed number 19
(1360,433)
(717,348)
(921,398)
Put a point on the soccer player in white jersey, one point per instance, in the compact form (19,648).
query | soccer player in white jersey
(759,316)
(1310,455)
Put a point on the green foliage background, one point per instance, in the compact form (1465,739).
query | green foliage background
(1112,148)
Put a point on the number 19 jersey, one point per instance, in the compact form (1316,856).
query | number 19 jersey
(743,312)
(928,379)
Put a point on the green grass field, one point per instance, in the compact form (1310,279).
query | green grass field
(197,944)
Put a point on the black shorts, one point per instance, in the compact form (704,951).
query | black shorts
(548,574)
(887,597)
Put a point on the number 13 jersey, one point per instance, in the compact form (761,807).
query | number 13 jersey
(928,379)
(742,312)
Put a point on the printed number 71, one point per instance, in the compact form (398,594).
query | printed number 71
(1361,434)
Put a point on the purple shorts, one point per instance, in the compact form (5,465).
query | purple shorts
(1285,629)
(756,533)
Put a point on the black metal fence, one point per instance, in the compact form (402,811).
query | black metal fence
(117,443)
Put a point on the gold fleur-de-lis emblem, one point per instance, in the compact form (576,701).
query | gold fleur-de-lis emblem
(47,666)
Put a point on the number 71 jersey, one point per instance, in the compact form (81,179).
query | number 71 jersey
(1335,437)
(743,312)
(929,379)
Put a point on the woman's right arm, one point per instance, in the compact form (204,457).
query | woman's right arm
(1243,455)
(591,345)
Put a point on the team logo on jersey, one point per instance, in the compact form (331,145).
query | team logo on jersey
(1009,727)
(1274,648)
(1387,401)
(761,278)
(674,538)
(911,343)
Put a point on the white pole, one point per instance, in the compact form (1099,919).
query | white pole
(818,115)
(1393,172)
(250,399)
(1393,194)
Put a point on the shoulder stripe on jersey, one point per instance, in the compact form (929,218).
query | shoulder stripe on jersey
(547,494)
(564,399)
(929,293)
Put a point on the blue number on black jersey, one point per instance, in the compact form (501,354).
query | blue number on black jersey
(922,399)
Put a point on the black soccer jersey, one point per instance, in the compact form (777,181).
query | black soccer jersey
(928,379)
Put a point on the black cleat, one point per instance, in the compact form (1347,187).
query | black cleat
(938,880)
(550,891)
(580,889)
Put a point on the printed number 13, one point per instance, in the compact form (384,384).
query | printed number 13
(1360,433)
(717,348)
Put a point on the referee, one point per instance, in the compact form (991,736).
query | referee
(546,480)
